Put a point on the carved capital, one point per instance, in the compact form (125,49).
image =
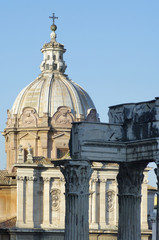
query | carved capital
(102,180)
(77,175)
(46,179)
(94,180)
(31,178)
(20,178)
(130,178)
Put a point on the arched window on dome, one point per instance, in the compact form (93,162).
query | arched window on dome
(48,57)
(54,57)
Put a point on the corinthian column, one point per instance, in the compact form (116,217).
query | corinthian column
(77,175)
(130,178)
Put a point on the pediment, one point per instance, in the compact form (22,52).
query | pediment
(67,135)
(28,134)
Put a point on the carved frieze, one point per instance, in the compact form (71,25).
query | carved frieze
(55,199)
(28,118)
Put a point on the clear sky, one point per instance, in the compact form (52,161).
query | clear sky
(112,49)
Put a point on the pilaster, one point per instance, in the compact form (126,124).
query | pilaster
(46,204)
(93,204)
(20,201)
(102,204)
(30,201)
(62,203)
(130,178)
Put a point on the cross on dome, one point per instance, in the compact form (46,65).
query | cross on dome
(53,18)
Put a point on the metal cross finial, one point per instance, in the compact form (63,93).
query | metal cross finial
(53,18)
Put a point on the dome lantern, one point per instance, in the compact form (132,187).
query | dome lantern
(53,53)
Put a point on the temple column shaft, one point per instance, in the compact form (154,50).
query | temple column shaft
(130,178)
(77,175)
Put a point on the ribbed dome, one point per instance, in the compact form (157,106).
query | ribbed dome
(50,91)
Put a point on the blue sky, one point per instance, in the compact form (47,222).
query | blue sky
(112,49)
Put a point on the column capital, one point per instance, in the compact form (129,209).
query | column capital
(31,178)
(20,178)
(77,175)
(130,178)
(46,179)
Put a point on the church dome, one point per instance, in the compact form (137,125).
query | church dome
(50,91)
(53,88)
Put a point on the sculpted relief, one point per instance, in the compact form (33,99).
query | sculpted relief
(28,118)
(55,199)
(110,198)
(63,116)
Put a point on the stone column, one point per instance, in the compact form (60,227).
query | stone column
(77,175)
(157,217)
(130,178)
